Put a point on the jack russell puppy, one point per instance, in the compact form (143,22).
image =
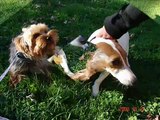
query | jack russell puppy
(110,57)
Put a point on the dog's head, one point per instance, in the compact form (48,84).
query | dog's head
(38,41)
(115,57)
(115,60)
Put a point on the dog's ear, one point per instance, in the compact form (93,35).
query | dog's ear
(54,34)
(20,45)
(40,44)
(27,36)
(122,52)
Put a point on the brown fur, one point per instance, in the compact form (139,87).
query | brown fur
(110,52)
(36,43)
(97,64)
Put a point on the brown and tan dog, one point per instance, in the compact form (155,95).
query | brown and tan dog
(110,57)
(30,51)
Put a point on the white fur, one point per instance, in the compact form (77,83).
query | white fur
(98,81)
(110,42)
(64,63)
(123,41)
(29,31)
(124,75)
(98,56)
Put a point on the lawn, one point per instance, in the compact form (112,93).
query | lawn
(65,99)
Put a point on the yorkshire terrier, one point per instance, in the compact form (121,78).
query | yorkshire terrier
(30,51)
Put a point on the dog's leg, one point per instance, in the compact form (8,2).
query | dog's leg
(47,75)
(15,79)
(82,75)
(98,81)
(64,63)
(91,69)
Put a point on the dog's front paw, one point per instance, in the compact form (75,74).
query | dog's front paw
(80,76)
(74,77)
(95,90)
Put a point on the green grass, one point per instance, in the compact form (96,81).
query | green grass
(65,99)
(9,7)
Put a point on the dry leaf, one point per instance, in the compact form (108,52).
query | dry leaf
(57,59)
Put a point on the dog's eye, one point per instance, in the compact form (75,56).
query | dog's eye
(36,35)
(45,31)
(116,62)
(49,39)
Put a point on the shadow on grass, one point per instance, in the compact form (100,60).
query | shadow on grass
(148,79)
(146,71)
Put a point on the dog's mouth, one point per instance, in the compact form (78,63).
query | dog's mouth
(123,72)
(116,61)
(124,76)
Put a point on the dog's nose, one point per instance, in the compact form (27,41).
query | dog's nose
(133,81)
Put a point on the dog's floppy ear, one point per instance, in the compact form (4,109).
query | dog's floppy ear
(20,45)
(27,36)
(54,34)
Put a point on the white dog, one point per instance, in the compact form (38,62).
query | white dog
(110,57)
